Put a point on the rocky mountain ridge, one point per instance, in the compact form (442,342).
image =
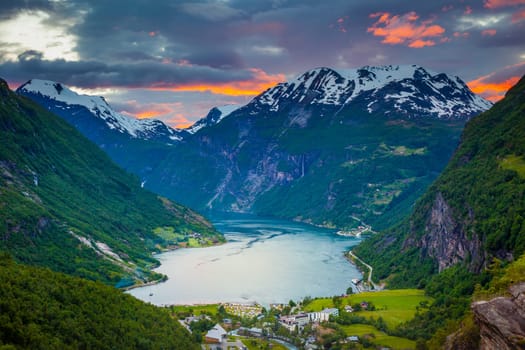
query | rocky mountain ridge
(502,320)
(65,98)
(332,148)
(410,90)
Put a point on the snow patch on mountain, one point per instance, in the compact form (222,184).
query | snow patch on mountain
(408,89)
(98,106)
(215,115)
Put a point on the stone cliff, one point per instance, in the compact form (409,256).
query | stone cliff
(446,240)
(502,320)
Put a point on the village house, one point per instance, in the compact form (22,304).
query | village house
(324,315)
(243,310)
(215,335)
(254,332)
(294,322)
(349,309)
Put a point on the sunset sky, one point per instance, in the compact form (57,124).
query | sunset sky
(174,60)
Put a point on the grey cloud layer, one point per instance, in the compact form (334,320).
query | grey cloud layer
(123,42)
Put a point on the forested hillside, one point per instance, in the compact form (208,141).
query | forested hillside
(65,205)
(468,226)
(41,309)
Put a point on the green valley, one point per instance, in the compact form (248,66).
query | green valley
(66,205)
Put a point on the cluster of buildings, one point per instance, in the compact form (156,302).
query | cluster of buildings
(293,322)
(243,310)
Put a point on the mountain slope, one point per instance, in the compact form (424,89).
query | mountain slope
(409,90)
(475,209)
(335,148)
(123,138)
(65,205)
(64,98)
(465,238)
(215,115)
(326,148)
(41,309)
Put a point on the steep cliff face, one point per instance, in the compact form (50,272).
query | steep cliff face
(502,320)
(445,238)
(474,211)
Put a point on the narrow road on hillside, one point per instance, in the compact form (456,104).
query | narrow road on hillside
(368,266)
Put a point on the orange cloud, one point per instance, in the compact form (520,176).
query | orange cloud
(492,4)
(404,30)
(168,112)
(260,82)
(421,43)
(490,89)
(179,121)
(489,32)
(518,16)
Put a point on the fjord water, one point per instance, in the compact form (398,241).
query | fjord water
(265,261)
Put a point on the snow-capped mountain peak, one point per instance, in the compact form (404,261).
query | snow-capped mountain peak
(408,89)
(215,115)
(66,98)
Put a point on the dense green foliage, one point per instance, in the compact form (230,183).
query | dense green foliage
(339,170)
(63,202)
(41,309)
(485,188)
(485,193)
(370,168)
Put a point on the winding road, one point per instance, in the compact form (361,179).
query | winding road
(369,267)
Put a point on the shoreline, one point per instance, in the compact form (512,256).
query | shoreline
(351,255)
(163,300)
(247,303)
(164,278)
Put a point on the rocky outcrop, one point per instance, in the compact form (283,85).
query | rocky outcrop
(502,320)
(445,238)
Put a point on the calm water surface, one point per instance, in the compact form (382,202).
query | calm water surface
(267,261)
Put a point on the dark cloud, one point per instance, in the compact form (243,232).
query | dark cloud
(131,74)
(9,8)
(216,59)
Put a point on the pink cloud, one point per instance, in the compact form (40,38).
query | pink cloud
(405,29)
(492,4)
(461,34)
(518,16)
(489,32)
(468,10)
(341,24)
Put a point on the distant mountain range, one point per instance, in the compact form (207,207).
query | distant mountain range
(66,205)
(411,91)
(330,147)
